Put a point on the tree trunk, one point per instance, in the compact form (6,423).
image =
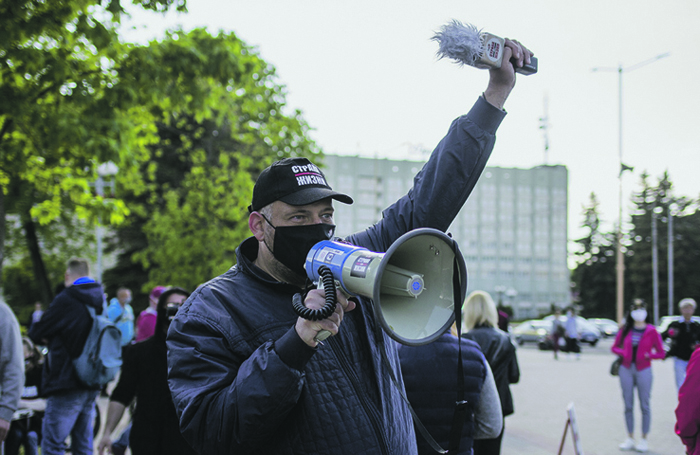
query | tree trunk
(42,279)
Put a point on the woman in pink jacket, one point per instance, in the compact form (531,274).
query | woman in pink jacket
(637,343)
(688,410)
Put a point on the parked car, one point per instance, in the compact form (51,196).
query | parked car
(665,321)
(533,330)
(589,332)
(608,327)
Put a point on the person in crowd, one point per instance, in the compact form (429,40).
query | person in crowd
(146,322)
(688,409)
(64,327)
(154,428)
(571,334)
(558,333)
(26,432)
(430,376)
(638,343)
(36,314)
(11,368)
(247,375)
(685,336)
(503,318)
(120,312)
(481,321)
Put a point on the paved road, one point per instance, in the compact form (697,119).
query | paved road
(548,386)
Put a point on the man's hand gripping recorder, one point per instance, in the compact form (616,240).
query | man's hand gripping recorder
(467,45)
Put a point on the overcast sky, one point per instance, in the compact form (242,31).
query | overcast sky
(366,77)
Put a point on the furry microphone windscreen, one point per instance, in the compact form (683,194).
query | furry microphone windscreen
(459,42)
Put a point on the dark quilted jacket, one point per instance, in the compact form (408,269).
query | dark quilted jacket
(430,375)
(242,380)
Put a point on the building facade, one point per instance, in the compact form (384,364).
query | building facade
(512,231)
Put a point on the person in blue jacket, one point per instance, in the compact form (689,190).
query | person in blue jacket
(248,376)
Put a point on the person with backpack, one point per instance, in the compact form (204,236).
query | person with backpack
(64,329)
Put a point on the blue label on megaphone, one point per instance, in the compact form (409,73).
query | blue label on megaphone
(331,254)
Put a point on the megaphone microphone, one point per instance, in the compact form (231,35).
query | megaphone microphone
(467,45)
(411,285)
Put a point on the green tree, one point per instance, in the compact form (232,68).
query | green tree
(594,275)
(62,113)
(655,201)
(189,198)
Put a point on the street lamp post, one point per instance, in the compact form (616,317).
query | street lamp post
(671,207)
(620,266)
(655,262)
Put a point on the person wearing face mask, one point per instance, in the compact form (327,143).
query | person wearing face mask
(247,375)
(154,425)
(638,343)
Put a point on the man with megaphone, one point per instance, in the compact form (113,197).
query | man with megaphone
(247,375)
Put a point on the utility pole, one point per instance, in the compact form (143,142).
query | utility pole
(620,266)
(655,265)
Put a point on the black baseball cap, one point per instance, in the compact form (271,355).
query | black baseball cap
(296,181)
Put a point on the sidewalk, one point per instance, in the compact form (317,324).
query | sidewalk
(547,386)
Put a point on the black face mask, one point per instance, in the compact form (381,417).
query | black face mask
(292,243)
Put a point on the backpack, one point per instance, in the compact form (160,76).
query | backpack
(101,358)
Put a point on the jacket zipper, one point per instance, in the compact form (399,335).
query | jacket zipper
(366,405)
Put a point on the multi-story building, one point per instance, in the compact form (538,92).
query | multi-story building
(512,231)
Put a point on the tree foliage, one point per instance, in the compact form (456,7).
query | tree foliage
(189,200)
(657,201)
(61,114)
(188,120)
(594,277)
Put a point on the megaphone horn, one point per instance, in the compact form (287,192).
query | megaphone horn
(411,285)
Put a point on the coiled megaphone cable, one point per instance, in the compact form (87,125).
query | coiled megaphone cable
(328,308)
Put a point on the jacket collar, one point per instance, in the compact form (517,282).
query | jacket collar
(246,253)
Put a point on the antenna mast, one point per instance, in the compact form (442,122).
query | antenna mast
(544,126)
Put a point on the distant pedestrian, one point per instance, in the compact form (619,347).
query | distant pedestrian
(481,321)
(571,333)
(120,312)
(685,335)
(688,410)
(64,327)
(146,322)
(11,369)
(558,333)
(503,319)
(638,343)
(36,314)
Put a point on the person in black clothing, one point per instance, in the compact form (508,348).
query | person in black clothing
(154,429)
(481,320)
(430,377)
(685,335)
(64,327)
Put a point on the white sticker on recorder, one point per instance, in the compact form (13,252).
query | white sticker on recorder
(493,49)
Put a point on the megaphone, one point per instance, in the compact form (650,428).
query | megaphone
(412,285)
